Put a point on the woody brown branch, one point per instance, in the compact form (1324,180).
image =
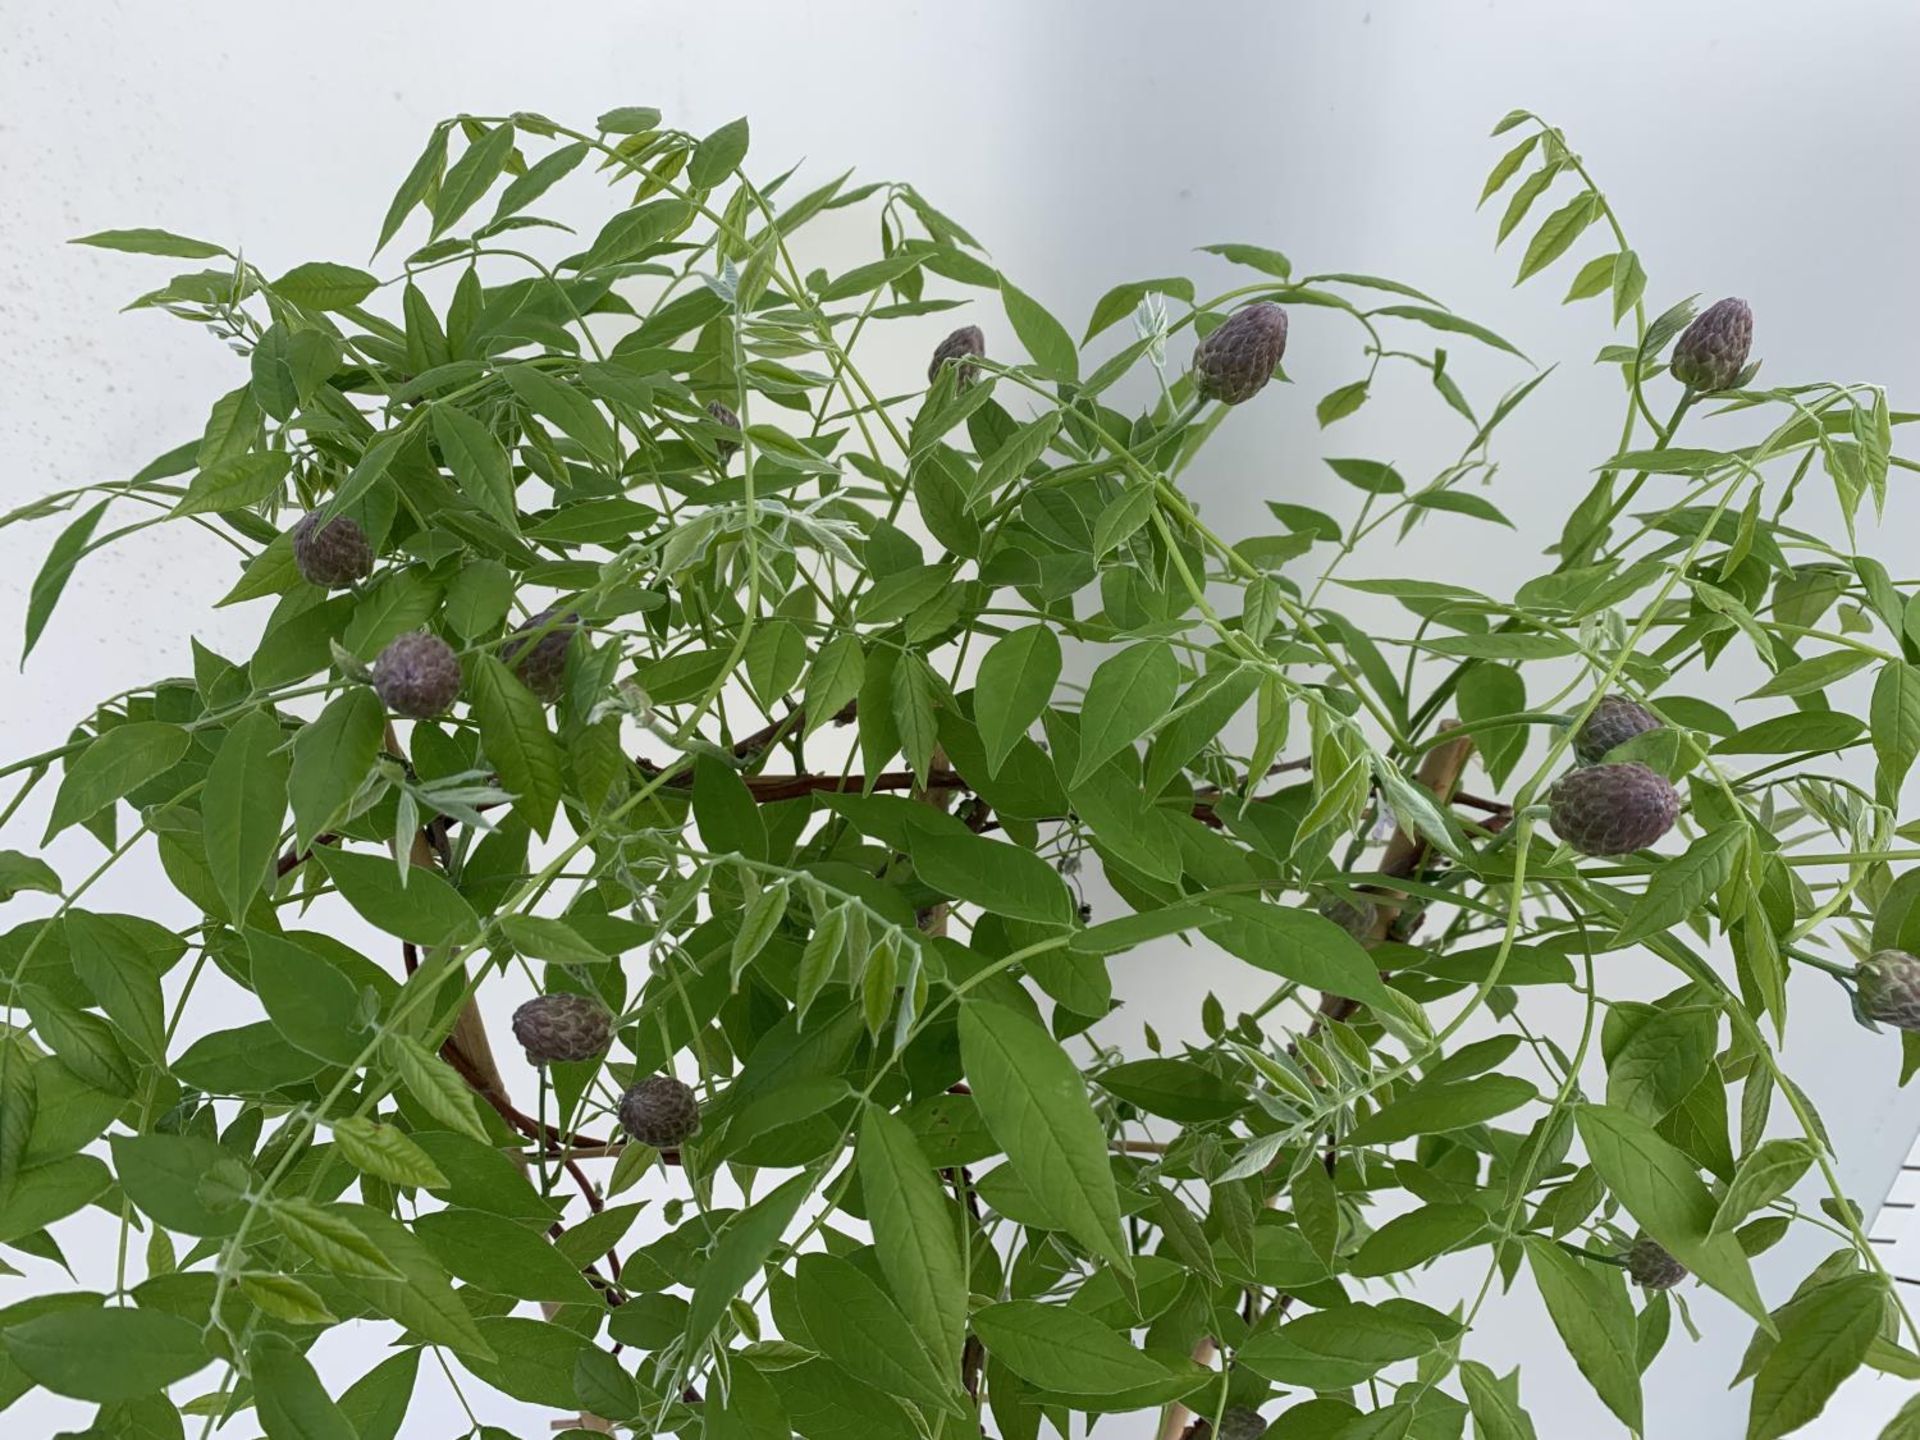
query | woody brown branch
(772,789)
(1406,856)
(1408,852)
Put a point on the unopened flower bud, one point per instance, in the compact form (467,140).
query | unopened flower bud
(1712,351)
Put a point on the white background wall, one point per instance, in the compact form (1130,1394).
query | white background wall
(1758,149)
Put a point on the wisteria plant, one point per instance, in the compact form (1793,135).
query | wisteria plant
(625,644)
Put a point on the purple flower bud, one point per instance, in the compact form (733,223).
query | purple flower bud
(1712,351)
(417,675)
(1236,361)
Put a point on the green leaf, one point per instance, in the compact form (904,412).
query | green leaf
(837,674)
(1906,1424)
(1495,1402)
(1435,1107)
(1016,454)
(1129,511)
(238,483)
(743,1247)
(1338,404)
(776,656)
(434,1083)
(1016,678)
(1296,945)
(531,1360)
(914,691)
(629,120)
(1629,283)
(19,1107)
(42,1194)
(1269,262)
(1485,691)
(1122,300)
(20,871)
(479,462)
(851,1321)
(1595,278)
(565,406)
(1809,732)
(55,571)
(415,188)
(376,1403)
(121,976)
(1824,1335)
(1203,711)
(288,1396)
(286,1298)
(540,178)
(314,1005)
(478,599)
(517,742)
(539,937)
(502,1257)
(1679,888)
(1060,1349)
(247,1060)
(1770,1170)
(1110,937)
(85,1043)
(109,1354)
(152,242)
(376,1148)
(1661,1061)
(753,1409)
(1520,203)
(1809,676)
(419,1296)
(758,920)
(725,810)
(331,1238)
(1460,502)
(1046,339)
(1128,695)
(1588,1304)
(1416,1237)
(819,960)
(470,177)
(865,279)
(914,1234)
(162,1174)
(1005,878)
(1895,726)
(331,759)
(1506,167)
(1660,1188)
(1177,1090)
(1035,1103)
(241,809)
(603,1387)
(1373,476)
(291,372)
(425,909)
(319,285)
(370,470)
(718,155)
(633,233)
(1677,461)
(1446,320)
(1557,232)
(1337,1348)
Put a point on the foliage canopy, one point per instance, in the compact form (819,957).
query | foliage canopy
(622,642)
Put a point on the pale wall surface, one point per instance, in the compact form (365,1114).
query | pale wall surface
(1754,149)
